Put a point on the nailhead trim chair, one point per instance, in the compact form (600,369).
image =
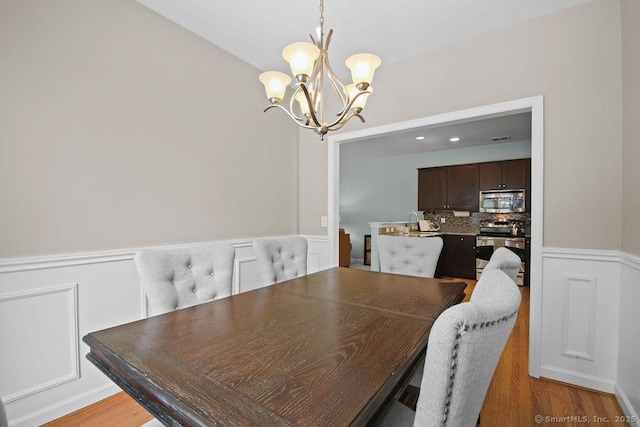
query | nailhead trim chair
(505,260)
(281,259)
(465,344)
(178,278)
(412,256)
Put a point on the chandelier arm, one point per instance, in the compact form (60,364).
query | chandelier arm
(346,110)
(344,122)
(312,113)
(290,115)
(330,72)
(338,86)
(343,100)
(291,109)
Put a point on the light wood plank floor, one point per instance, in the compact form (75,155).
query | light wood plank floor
(514,398)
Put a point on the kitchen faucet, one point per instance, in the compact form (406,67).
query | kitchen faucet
(412,213)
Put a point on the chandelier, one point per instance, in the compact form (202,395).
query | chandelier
(309,63)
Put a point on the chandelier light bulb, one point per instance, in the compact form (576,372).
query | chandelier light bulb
(302,101)
(361,100)
(362,67)
(301,57)
(275,84)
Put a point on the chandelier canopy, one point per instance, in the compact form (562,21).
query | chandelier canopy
(309,63)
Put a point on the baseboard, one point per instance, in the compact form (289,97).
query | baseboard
(65,407)
(628,409)
(578,378)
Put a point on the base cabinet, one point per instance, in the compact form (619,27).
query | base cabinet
(458,257)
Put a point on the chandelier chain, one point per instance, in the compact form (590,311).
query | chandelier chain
(321,14)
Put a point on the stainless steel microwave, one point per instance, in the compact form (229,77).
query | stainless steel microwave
(502,201)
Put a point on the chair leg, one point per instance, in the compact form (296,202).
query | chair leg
(409,397)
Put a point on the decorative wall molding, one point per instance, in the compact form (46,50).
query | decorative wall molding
(579,316)
(581,254)
(9,265)
(630,260)
(68,314)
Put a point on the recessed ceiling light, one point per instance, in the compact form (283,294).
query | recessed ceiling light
(419,138)
(454,139)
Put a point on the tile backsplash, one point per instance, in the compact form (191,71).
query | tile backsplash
(471,224)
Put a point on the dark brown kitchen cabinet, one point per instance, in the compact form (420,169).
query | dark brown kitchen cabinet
(463,187)
(432,189)
(448,188)
(505,175)
(458,257)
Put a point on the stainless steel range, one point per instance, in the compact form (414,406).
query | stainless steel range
(496,234)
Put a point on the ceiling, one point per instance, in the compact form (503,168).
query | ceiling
(256,31)
(472,133)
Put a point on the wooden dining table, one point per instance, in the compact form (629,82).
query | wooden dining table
(332,348)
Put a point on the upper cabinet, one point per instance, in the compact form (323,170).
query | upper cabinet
(456,187)
(432,189)
(506,175)
(448,188)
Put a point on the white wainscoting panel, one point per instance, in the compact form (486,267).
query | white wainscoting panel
(48,303)
(580,317)
(628,384)
(317,253)
(44,325)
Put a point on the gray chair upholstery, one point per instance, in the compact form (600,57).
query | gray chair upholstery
(3,415)
(465,344)
(281,259)
(412,256)
(179,278)
(505,260)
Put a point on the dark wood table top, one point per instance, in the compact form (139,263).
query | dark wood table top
(330,348)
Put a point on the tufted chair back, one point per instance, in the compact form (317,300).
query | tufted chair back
(505,260)
(465,344)
(412,256)
(281,259)
(179,278)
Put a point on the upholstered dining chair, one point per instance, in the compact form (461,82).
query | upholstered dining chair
(505,260)
(412,256)
(465,344)
(281,259)
(178,278)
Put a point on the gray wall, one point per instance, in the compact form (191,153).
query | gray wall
(573,59)
(387,189)
(120,129)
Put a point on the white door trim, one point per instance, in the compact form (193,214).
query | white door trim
(535,105)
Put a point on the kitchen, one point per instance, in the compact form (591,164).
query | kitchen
(380,190)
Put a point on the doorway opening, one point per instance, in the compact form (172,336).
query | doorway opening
(534,105)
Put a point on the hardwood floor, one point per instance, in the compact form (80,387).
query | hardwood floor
(514,398)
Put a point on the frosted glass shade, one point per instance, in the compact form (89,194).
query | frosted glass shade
(362,67)
(301,57)
(275,84)
(361,101)
(304,106)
